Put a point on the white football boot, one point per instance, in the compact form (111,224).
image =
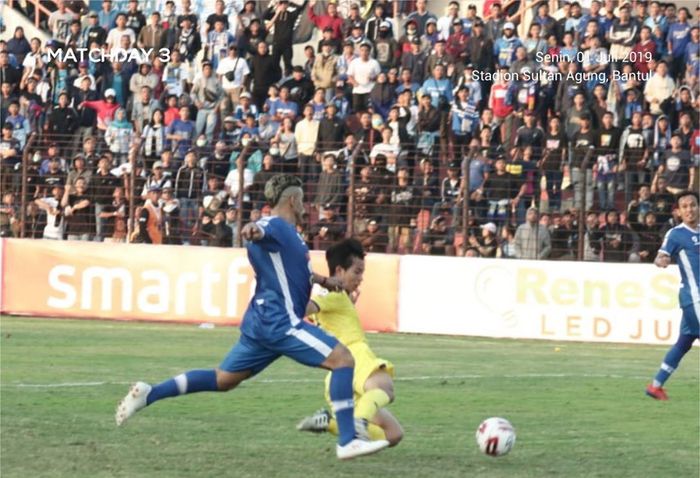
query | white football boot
(134,401)
(359,447)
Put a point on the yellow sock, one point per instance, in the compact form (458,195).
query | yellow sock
(370,402)
(375,431)
(333,426)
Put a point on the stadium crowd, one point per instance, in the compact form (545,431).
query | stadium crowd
(404,123)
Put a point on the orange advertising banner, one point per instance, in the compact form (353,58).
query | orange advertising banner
(159,283)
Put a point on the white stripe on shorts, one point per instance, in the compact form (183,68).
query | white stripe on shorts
(311,341)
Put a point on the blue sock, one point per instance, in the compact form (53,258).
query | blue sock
(673,358)
(343,405)
(189,382)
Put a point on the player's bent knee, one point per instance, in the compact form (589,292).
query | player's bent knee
(394,435)
(340,357)
(226,381)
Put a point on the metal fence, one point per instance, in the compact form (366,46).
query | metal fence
(442,199)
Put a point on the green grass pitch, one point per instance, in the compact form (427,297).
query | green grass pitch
(579,411)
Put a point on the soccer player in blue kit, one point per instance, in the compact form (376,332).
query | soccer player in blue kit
(272,325)
(682,243)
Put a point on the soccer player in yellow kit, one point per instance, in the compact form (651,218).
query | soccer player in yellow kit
(372,384)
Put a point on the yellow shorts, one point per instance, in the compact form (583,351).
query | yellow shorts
(366,363)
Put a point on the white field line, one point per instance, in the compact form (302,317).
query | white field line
(416,378)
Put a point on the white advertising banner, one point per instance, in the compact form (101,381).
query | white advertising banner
(583,301)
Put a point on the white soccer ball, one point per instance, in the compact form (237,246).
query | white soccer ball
(495,436)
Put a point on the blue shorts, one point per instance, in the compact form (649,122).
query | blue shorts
(689,322)
(305,343)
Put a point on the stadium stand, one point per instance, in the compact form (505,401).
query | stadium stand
(516,129)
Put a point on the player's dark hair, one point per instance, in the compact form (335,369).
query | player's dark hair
(683,194)
(342,254)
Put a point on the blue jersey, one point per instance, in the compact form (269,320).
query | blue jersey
(683,245)
(282,268)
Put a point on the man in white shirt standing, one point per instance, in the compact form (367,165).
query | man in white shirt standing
(306,133)
(232,72)
(361,75)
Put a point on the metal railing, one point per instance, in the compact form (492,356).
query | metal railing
(369,200)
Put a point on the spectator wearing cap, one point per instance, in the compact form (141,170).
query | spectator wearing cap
(282,18)
(324,72)
(156,179)
(150,219)
(300,88)
(357,37)
(532,240)
(457,42)
(409,36)
(415,61)
(430,36)
(504,48)
(487,242)
(119,136)
(373,238)
(63,120)
(374,23)
(187,39)
(362,72)
(329,20)
(386,49)
(207,94)
(232,71)
(329,229)
(105,109)
(78,171)
(421,16)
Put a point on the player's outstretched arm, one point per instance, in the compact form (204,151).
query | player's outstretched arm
(330,283)
(252,232)
(662,260)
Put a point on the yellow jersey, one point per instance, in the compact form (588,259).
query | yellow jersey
(338,316)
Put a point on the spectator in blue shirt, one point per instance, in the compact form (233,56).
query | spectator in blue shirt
(182,131)
(677,38)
